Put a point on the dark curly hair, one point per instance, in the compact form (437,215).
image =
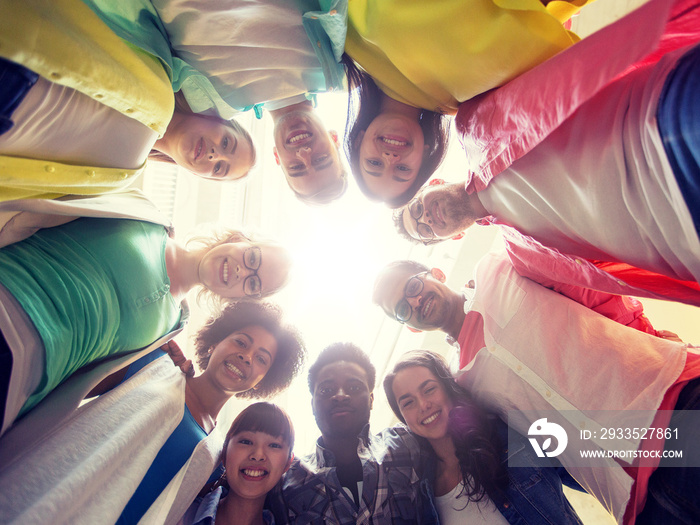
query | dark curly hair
(472,429)
(342,352)
(291,351)
(364,107)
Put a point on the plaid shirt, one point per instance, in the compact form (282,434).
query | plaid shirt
(391,488)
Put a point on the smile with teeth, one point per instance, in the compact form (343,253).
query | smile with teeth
(234,369)
(298,137)
(254,473)
(224,271)
(393,142)
(198,149)
(431,418)
(436,214)
(427,307)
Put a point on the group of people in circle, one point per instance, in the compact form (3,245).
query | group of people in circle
(587,163)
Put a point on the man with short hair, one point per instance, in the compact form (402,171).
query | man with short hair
(442,211)
(308,154)
(417,296)
(235,55)
(354,477)
(531,351)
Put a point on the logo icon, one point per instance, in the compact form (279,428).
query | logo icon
(542,427)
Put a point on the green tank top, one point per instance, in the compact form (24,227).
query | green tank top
(93,288)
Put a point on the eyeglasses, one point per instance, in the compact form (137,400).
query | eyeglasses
(252,258)
(416,209)
(413,288)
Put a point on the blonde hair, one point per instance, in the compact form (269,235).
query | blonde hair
(181,106)
(216,236)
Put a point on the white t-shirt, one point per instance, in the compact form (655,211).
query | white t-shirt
(600,186)
(454,510)
(58,123)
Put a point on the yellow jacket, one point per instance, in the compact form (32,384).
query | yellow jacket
(437,54)
(66,43)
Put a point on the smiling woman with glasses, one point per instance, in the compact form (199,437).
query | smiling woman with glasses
(95,288)
(255,267)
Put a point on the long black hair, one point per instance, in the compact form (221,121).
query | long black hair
(471,428)
(364,100)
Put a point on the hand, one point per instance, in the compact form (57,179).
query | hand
(175,353)
(668,335)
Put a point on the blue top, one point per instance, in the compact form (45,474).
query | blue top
(534,495)
(170,459)
(203,510)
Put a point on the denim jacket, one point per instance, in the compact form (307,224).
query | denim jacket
(534,494)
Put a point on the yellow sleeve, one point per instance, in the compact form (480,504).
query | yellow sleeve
(562,10)
(33,179)
(66,43)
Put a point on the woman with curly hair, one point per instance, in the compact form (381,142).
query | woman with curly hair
(471,481)
(247,352)
(412,63)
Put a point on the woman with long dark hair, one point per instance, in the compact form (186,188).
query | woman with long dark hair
(257,452)
(412,70)
(373,114)
(470,479)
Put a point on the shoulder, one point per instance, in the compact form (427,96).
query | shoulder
(302,494)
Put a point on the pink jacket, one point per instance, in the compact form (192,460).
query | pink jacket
(504,124)
(498,127)
(547,265)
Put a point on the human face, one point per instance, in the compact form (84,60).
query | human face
(431,307)
(240,269)
(342,399)
(255,462)
(391,154)
(423,402)
(439,212)
(307,152)
(240,361)
(209,148)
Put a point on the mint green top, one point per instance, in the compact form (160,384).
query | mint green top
(93,288)
(232,47)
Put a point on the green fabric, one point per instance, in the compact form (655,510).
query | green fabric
(93,288)
(138,22)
